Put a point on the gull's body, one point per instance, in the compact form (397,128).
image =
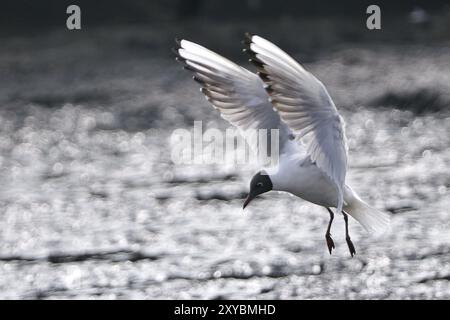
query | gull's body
(300,176)
(284,96)
(304,179)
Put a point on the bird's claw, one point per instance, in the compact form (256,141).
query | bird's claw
(351,247)
(330,242)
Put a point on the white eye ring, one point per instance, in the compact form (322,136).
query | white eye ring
(259,184)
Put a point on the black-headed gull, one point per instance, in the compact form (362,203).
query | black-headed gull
(283,95)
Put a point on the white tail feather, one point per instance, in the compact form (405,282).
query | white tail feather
(373,220)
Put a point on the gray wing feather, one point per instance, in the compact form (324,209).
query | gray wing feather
(305,105)
(237,93)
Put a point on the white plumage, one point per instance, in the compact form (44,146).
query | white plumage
(237,93)
(313,168)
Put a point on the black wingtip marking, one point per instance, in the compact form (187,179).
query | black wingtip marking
(175,52)
(264,76)
(198,80)
(180,59)
(251,53)
(247,39)
(178,42)
(258,64)
(269,90)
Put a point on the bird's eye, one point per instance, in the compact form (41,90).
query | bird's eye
(259,184)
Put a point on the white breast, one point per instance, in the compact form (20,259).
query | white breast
(304,179)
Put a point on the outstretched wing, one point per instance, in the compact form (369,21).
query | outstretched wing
(237,93)
(305,105)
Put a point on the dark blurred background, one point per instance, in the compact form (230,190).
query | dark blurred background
(91,205)
(47,13)
(27,16)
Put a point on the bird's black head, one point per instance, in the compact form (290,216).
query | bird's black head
(260,183)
